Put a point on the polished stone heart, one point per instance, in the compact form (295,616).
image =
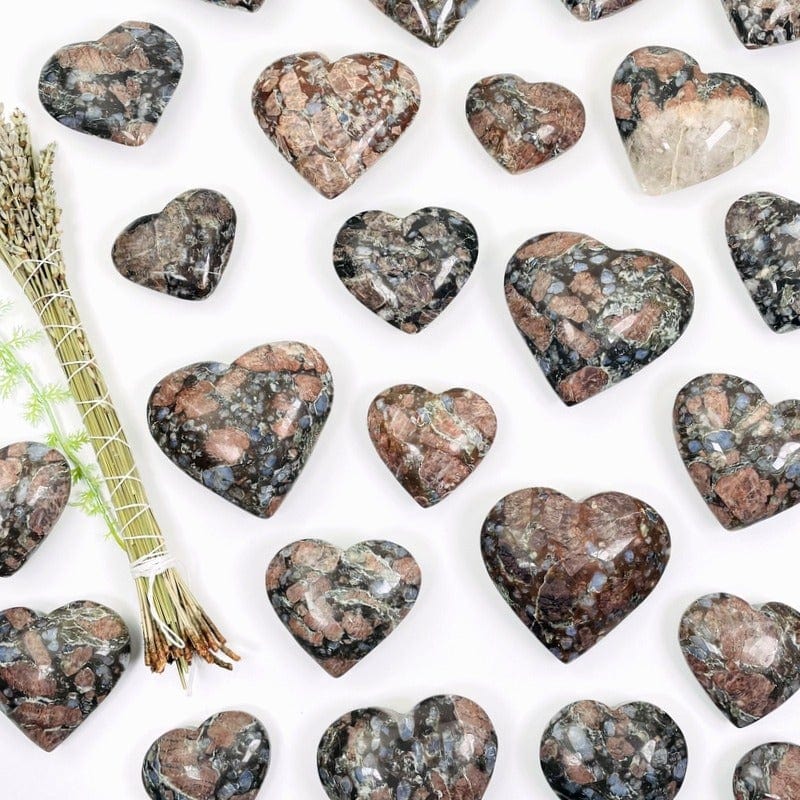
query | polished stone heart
(116,88)
(742,453)
(445,747)
(225,757)
(407,271)
(523,125)
(681,126)
(246,5)
(181,251)
(592,752)
(35,483)
(245,430)
(761,23)
(573,571)
(431,442)
(333,120)
(593,316)
(768,772)
(341,604)
(55,669)
(747,658)
(432,21)
(590,10)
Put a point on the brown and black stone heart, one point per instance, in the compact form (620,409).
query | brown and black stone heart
(763,23)
(245,5)
(768,772)
(432,21)
(55,669)
(245,430)
(573,571)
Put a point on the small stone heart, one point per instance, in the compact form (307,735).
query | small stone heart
(761,23)
(55,669)
(742,453)
(407,271)
(431,442)
(225,757)
(432,21)
(116,88)
(181,251)
(590,10)
(35,483)
(341,604)
(333,120)
(523,125)
(246,5)
(634,751)
(591,315)
(768,772)
(681,126)
(245,430)
(445,747)
(573,571)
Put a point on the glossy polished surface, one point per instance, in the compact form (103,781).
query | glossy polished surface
(432,21)
(762,23)
(768,772)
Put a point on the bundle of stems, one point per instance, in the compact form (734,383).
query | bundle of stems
(174,625)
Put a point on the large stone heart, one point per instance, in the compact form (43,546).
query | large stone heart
(444,748)
(768,772)
(225,757)
(116,88)
(634,751)
(245,430)
(593,316)
(407,271)
(681,126)
(590,10)
(341,604)
(742,453)
(55,669)
(761,23)
(431,442)
(333,120)
(432,21)
(573,571)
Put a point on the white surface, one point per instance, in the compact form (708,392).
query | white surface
(281,285)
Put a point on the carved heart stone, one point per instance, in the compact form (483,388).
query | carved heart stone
(590,10)
(573,571)
(431,442)
(742,453)
(246,5)
(445,747)
(245,430)
(634,751)
(593,316)
(341,604)
(407,271)
(761,23)
(432,21)
(55,669)
(333,120)
(116,88)
(226,757)
(681,126)
(768,772)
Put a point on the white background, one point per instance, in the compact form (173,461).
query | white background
(461,638)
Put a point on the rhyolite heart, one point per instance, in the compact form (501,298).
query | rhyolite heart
(768,772)
(747,658)
(590,10)
(523,125)
(445,747)
(332,120)
(590,751)
(225,758)
(55,669)
(430,442)
(432,21)
(591,315)
(246,5)
(35,483)
(116,88)
(341,604)
(761,23)
(681,126)
(742,453)
(245,430)
(573,571)
(407,271)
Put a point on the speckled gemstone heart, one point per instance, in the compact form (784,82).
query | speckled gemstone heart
(761,23)
(246,5)
(245,430)
(591,315)
(55,669)
(742,453)
(432,21)
(430,442)
(592,752)
(445,747)
(590,10)
(116,88)
(333,120)
(225,757)
(681,126)
(341,604)
(407,271)
(768,772)
(573,571)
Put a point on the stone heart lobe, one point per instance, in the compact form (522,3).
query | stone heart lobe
(762,23)
(768,772)
(245,5)
(591,10)
(432,21)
